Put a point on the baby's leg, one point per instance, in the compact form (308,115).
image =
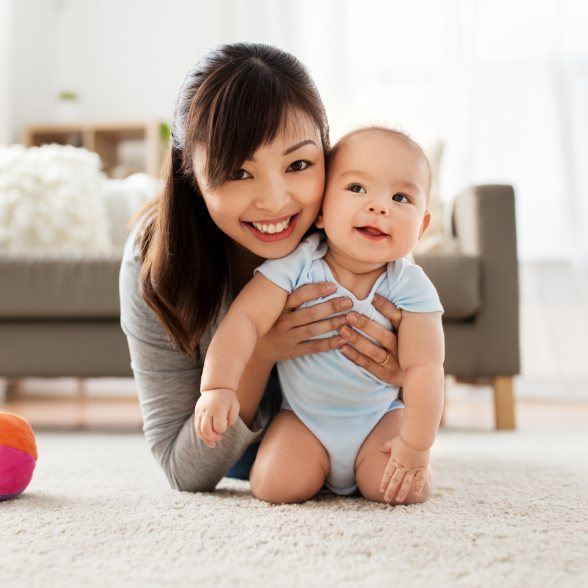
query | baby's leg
(291,463)
(371,461)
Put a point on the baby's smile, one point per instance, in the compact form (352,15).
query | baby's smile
(372,233)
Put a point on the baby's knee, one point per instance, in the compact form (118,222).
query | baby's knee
(284,487)
(277,492)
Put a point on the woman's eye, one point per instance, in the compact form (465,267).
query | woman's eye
(400,196)
(239,174)
(298,165)
(357,188)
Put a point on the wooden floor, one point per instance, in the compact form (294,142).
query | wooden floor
(467,408)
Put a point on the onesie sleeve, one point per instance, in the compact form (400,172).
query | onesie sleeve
(288,272)
(411,289)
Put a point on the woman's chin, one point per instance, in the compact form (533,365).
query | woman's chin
(275,249)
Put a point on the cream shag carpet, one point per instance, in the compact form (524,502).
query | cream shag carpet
(509,509)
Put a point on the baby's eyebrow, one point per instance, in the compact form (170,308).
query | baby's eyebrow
(354,172)
(410,186)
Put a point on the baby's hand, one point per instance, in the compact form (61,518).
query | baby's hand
(215,410)
(407,466)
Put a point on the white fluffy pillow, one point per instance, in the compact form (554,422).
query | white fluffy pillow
(51,199)
(437,239)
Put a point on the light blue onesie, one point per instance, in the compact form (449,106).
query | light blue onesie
(339,401)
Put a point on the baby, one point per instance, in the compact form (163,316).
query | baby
(373,213)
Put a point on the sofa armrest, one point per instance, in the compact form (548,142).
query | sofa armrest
(484,223)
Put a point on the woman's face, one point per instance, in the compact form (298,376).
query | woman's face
(270,201)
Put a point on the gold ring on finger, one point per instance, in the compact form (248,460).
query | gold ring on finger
(385,359)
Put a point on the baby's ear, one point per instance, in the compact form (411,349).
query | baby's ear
(319,221)
(425,224)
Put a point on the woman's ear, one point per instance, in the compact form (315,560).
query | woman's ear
(319,221)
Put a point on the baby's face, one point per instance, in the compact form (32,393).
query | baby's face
(375,204)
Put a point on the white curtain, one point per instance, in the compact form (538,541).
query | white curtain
(504,83)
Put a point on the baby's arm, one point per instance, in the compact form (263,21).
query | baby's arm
(421,353)
(250,316)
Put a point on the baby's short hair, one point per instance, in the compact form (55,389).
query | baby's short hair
(332,154)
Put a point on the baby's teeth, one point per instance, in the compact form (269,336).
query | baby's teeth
(271,229)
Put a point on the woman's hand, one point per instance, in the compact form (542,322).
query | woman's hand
(381,360)
(406,467)
(290,334)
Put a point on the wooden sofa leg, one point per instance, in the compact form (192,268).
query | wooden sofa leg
(504,403)
(11,388)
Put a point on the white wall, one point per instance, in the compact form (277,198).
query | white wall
(500,108)
(126,59)
(33,47)
(5,72)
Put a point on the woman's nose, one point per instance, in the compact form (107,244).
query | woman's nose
(272,196)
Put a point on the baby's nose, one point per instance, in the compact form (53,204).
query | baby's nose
(378,208)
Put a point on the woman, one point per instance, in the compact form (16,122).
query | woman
(195,246)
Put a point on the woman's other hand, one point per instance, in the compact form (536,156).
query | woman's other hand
(290,334)
(382,359)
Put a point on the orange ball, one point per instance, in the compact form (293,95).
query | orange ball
(18,455)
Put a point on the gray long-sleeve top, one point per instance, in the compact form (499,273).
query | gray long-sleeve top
(168,383)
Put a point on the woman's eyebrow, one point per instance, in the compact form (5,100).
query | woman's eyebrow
(290,149)
(298,145)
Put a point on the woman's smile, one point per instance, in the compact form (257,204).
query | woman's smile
(273,230)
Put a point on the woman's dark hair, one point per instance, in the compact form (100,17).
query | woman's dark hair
(235,99)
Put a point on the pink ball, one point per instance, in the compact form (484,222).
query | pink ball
(18,455)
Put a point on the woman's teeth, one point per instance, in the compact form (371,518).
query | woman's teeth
(272,228)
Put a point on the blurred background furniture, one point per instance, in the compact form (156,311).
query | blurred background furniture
(148,139)
(479,289)
(59,314)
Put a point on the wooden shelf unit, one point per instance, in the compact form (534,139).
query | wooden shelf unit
(104,139)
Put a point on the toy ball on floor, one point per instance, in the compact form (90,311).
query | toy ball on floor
(18,455)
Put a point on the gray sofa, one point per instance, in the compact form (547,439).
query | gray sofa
(59,315)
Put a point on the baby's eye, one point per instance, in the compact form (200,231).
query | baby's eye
(401,196)
(239,174)
(299,165)
(357,189)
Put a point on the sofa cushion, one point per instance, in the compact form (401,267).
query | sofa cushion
(84,286)
(59,286)
(458,281)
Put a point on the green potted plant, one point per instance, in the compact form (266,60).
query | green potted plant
(68,106)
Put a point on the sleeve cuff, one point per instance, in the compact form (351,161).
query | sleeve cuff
(251,433)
